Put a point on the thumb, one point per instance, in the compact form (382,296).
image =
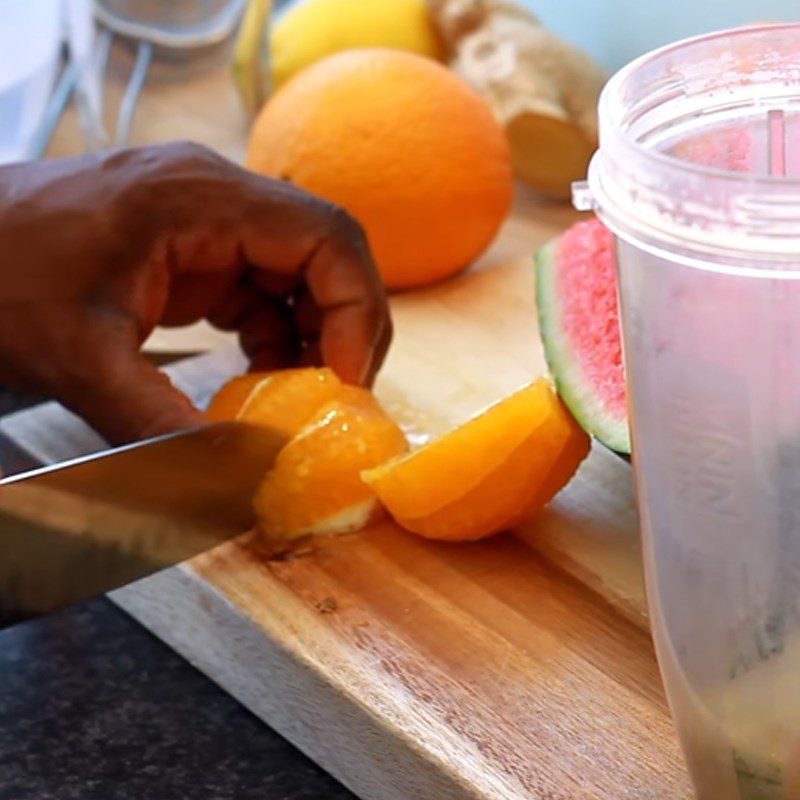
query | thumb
(131,400)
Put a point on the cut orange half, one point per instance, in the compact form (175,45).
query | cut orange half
(284,400)
(488,475)
(315,486)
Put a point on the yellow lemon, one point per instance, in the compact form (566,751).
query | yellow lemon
(313,29)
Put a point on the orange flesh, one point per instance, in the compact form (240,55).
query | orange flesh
(345,454)
(283,401)
(488,475)
(315,485)
(228,401)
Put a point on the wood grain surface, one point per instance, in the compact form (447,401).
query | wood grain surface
(515,668)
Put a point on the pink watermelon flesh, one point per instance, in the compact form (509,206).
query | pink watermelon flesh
(576,293)
(587,286)
(577,298)
(728,148)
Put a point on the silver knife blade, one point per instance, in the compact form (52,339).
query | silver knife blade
(81,528)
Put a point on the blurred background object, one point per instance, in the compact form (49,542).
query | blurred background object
(250,63)
(30,39)
(190,32)
(541,88)
(616,31)
(52,51)
(309,31)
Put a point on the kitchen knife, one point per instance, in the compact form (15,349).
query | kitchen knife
(78,529)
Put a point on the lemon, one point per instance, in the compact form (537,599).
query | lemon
(313,29)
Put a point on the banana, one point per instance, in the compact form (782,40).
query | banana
(250,63)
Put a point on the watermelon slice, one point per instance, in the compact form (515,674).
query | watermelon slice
(576,294)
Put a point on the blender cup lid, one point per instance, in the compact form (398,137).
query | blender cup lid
(700,149)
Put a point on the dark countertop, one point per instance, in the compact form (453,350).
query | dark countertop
(93,707)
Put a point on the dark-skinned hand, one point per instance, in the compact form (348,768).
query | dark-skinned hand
(96,251)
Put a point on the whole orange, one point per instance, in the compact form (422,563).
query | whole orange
(402,143)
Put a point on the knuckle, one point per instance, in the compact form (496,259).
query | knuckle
(159,163)
(186,155)
(344,225)
(168,185)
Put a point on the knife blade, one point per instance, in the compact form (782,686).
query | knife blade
(81,528)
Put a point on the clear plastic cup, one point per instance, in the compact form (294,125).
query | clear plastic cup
(698,175)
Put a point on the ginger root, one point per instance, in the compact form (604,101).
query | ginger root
(543,90)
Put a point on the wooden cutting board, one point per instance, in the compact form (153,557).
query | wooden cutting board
(516,668)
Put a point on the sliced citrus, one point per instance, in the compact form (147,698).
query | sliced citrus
(228,401)
(284,400)
(315,486)
(487,475)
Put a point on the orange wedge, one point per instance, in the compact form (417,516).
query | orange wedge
(315,486)
(284,400)
(228,401)
(488,475)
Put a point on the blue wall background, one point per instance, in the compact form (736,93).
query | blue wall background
(615,31)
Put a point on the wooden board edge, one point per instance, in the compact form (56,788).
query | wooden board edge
(380,762)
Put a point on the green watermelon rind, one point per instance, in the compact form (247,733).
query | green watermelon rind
(573,388)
